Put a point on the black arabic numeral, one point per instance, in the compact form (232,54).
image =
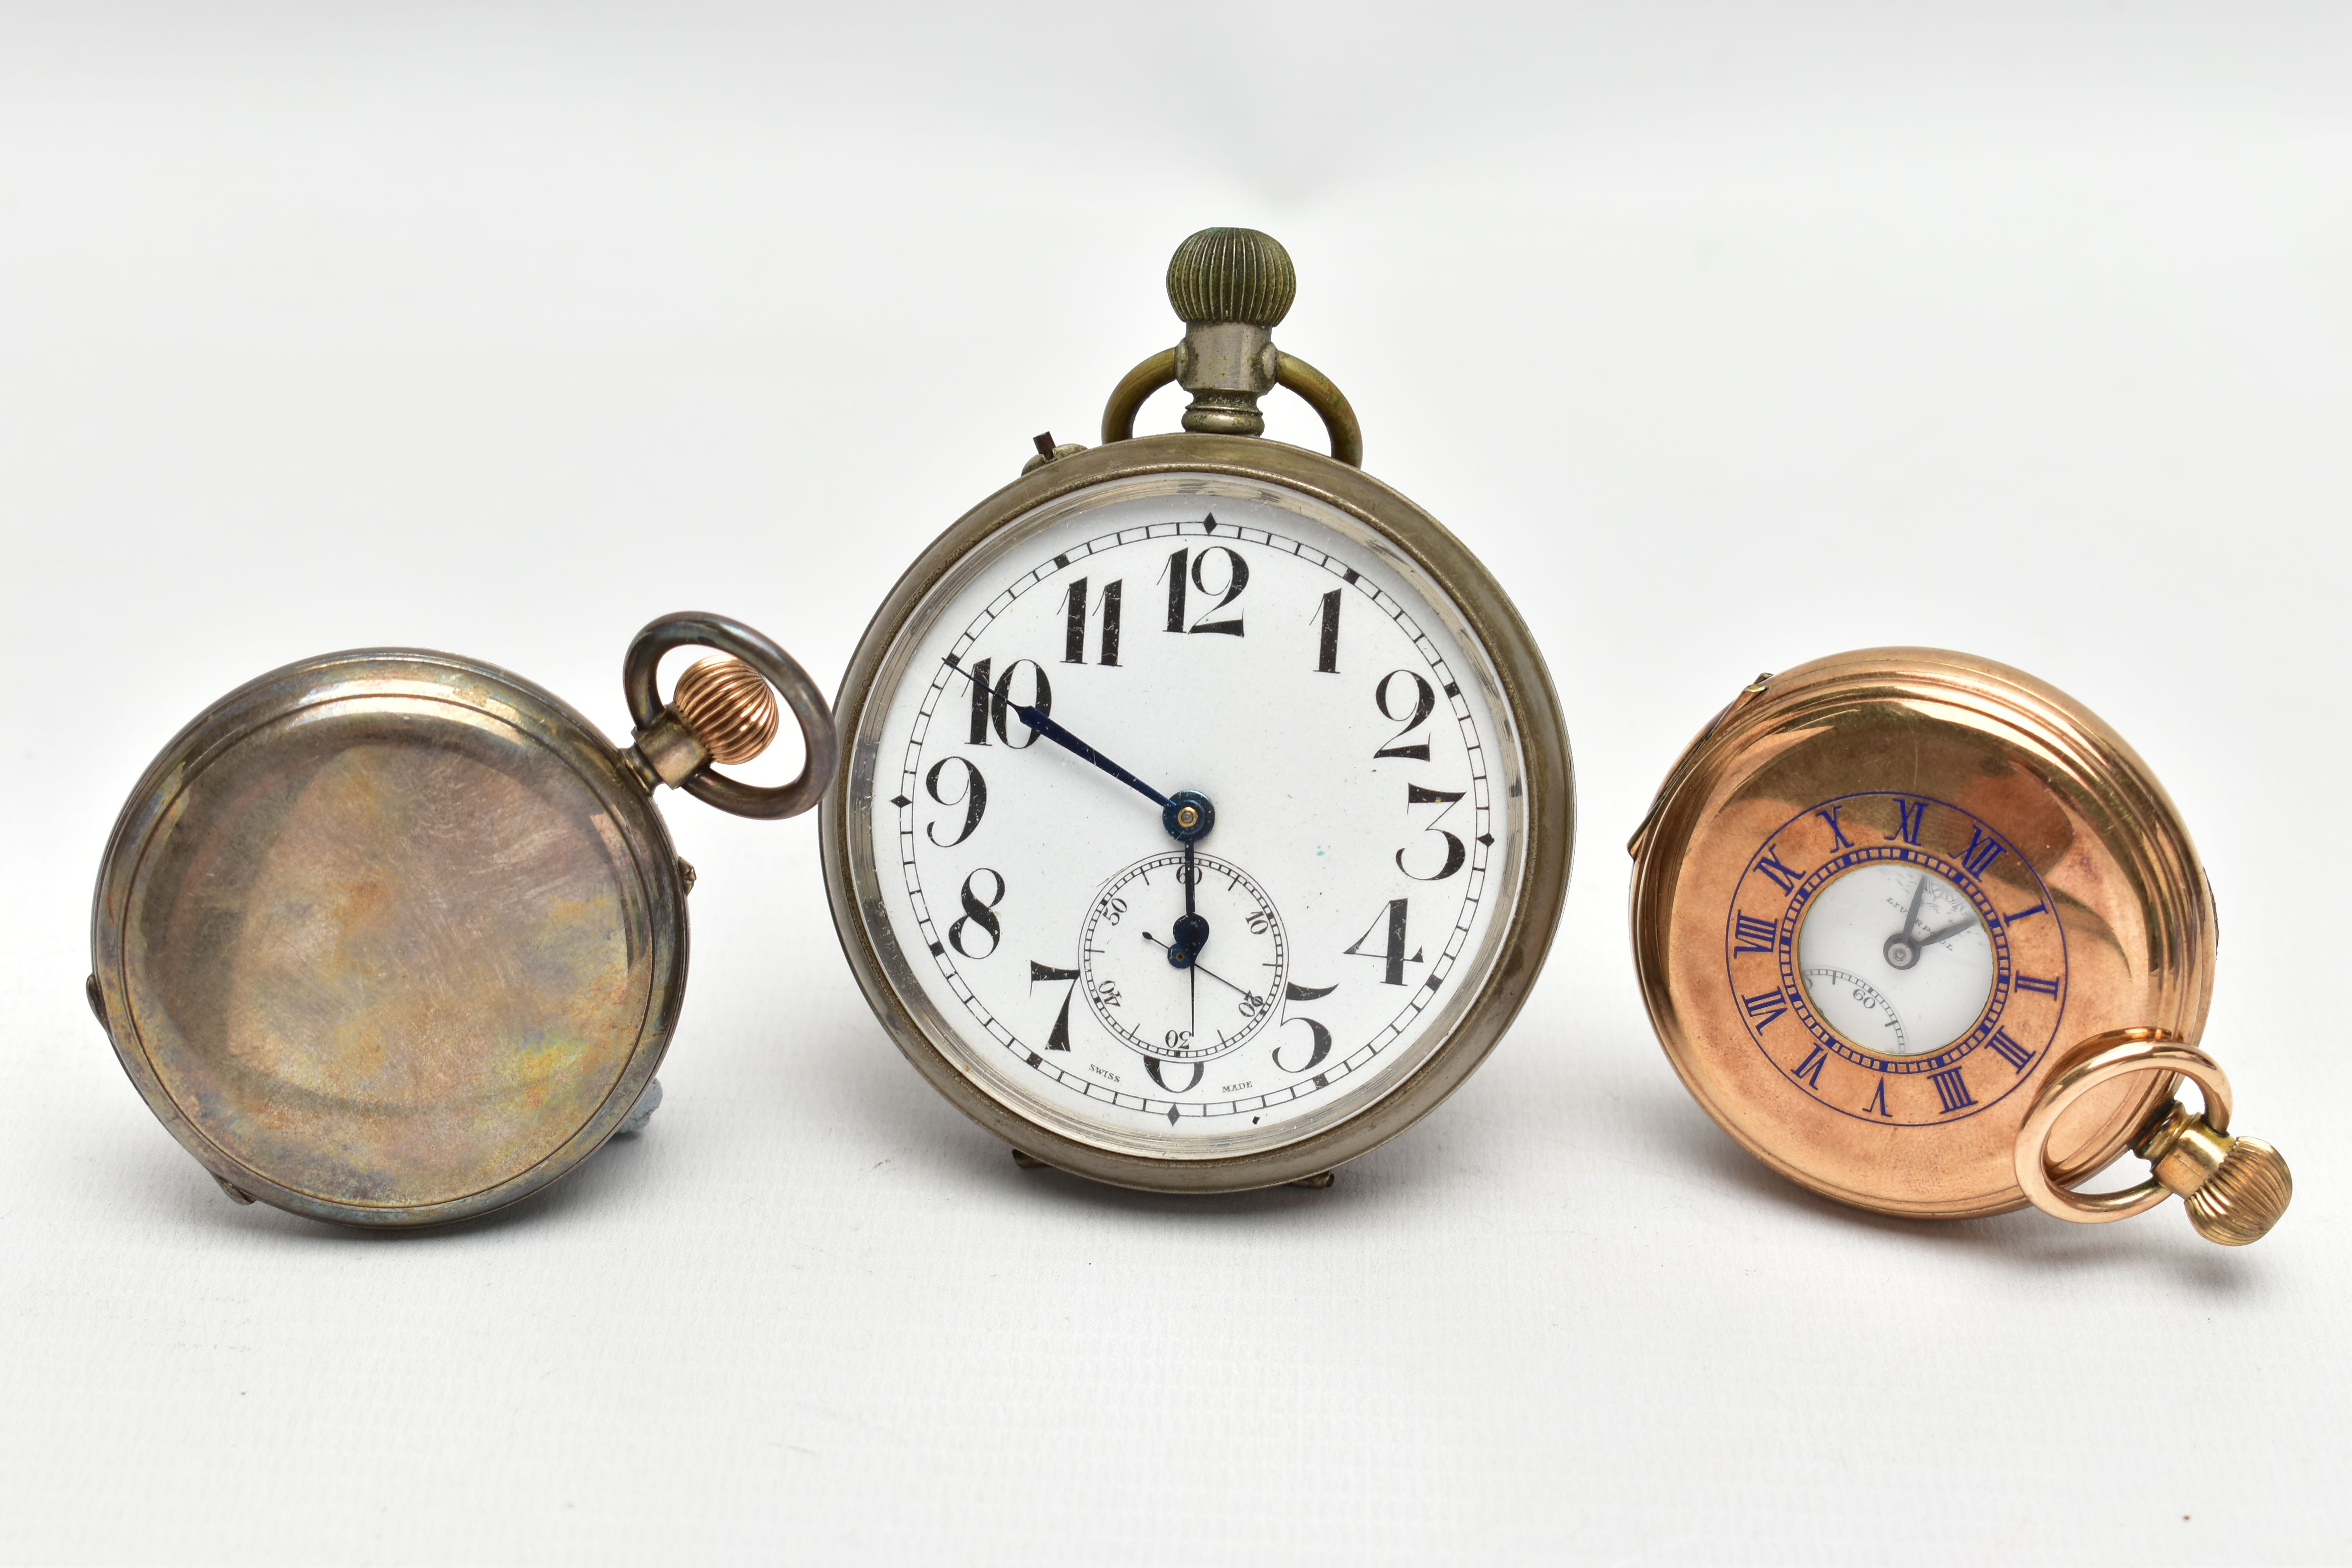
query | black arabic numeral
(1236,579)
(974,799)
(1326,661)
(1043,973)
(1456,852)
(1175,575)
(1074,635)
(1073,627)
(980,912)
(1424,699)
(1392,955)
(1180,575)
(1111,593)
(1318,1034)
(1151,1065)
(979,736)
(1001,705)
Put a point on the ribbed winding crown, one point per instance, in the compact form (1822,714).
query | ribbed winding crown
(1232,274)
(2245,1197)
(728,707)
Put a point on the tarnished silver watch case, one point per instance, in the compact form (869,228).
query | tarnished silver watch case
(1229,286)
(397,938)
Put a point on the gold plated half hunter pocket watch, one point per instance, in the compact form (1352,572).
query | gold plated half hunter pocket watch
(396,938)
(1925,935)
(1207,809)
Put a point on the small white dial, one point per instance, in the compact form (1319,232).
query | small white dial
(1177,994)
(1896,959)
(1858,1011)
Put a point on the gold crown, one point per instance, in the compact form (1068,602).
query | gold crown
(2234,1189)
(2240,1201)
(728,707)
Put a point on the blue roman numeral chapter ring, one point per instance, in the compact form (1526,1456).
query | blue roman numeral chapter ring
(1900,839)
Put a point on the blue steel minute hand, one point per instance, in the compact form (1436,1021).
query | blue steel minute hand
(1038,720)
(1187,815)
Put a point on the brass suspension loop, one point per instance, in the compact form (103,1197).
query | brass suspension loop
(1321,393)
(1134,389)
(2235,1189)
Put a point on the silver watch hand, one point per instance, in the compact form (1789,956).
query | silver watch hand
(1957,926)
(1911,916)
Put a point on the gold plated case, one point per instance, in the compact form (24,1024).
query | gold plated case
(2060,858)
(396,938)
(1229,286)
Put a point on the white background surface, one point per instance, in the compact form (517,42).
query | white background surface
(1728,336)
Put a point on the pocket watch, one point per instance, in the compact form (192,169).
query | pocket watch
(1207,809)
(393,938)
(1925,935)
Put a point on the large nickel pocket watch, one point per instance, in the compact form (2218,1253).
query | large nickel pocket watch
(1207,806)
(1925,935)
(396,938)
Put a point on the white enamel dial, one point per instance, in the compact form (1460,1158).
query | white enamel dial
(1896,959)
(1264,651)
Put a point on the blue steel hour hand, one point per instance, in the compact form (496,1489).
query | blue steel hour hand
(1191,930)
(1187,815)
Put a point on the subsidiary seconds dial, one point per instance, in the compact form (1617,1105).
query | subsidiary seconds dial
(1189,1010)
